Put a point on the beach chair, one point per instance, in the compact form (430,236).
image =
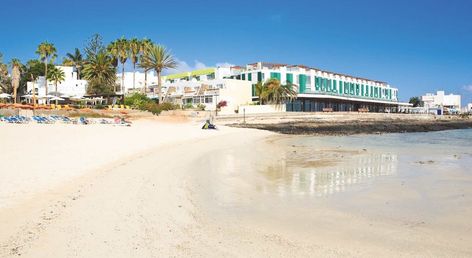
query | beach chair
(122,106)
(58,107)
(110,106)
(53,106)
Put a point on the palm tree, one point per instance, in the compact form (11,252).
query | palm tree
(112,50)
(57,76)
(261,92)
(16,75)
(157,57)
(45,51)
(134,51)
(145,44)
(277,93)
(77,60)
(100,72)
(123,54)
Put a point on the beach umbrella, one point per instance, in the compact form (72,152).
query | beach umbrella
(56,98)
(5,96)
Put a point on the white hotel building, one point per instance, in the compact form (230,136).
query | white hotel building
(319,90)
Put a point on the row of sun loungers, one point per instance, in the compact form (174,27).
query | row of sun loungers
(61,119)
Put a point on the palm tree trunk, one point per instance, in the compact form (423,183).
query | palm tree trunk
(134,76)
(145,81)
(34,91)
(46,76)
(159,85)
(56,93)
(14,94)
(123,78)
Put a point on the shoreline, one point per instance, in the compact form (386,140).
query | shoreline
(232,193)
(353,127)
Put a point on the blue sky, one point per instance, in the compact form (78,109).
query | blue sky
(418,46)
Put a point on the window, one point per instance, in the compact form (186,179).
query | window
(302,82)
(308,81)
(289,78)
(249,76)
(208,99)
(317,83)
(243,76)
(275,76)
(260,77)
(340,87)
(335,86)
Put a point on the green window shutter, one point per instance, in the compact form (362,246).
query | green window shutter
(340,87)
(243,77)
(275,76)
(289,78)
(323,84)
(302,83)
(253,90)
(357,89)
(371,91)
(335,86)
(259,77)
(329,85)
(249,76)
(317,83)
(362,89)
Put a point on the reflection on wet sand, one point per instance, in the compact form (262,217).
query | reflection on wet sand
(296,179)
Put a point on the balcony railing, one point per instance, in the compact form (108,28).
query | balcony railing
(345,95)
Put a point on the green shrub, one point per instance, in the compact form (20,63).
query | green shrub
(201,107)
(188,106)
(138,101)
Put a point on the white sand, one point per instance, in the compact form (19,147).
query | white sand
(147,191)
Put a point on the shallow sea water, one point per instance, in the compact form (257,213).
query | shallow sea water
(414,173)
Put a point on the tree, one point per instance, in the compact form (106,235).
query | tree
(416,101)
(15,74)
(134,51)
(57,76)
(100,74)
(274,92)
(94,46)
(76,60)
(5,84)
(34,69)
(45,51)
(261,92)
(158,58)
(112,50)
(145,44)
(123,54)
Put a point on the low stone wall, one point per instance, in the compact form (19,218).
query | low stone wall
(9,112)
(262,109)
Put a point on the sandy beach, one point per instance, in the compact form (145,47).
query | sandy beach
(161,189)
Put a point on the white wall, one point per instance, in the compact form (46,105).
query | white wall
(440,99)
(71,86)
(261,109)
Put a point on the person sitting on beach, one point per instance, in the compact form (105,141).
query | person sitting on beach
(208,125)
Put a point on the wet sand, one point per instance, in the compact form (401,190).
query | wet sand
(242,192)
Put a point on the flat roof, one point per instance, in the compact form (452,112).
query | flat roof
(277,65)
(190,73)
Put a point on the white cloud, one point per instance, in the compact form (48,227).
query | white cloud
(468,88)
(224,64)
(183,66)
